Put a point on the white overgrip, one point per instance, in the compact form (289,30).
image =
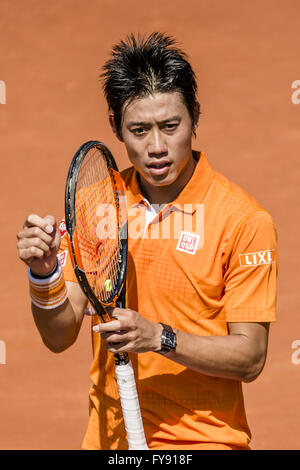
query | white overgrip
(131,407)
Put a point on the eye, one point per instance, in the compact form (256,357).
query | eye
(138,131)
(171,126)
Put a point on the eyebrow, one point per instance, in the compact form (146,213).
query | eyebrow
(141,123)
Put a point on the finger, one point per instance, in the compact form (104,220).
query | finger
(50,219)
(46,223)
(108,327)
(51,225)
(116,336)
(23,255)
(118,348)
(32,252)
(122,314)
(116,311)
(37,242)
(32,232)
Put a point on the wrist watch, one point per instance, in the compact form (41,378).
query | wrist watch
(168,339)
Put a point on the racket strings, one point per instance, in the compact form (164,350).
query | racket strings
(107,268)
(97,225)
(106,248)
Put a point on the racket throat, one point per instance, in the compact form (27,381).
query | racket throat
(121,359)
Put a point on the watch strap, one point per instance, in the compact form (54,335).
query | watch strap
(167,327)
(168,339)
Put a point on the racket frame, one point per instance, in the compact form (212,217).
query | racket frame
(70,194)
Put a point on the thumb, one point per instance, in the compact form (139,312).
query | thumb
(89,311)
(51,228)
(51,224)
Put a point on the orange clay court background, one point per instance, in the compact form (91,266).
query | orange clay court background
(246,56)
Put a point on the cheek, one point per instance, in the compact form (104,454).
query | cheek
(131,149)
(181,144)
(134,153)
(136,149)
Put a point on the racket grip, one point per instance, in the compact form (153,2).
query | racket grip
(131,407)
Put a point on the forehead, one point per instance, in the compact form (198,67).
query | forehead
(157,107)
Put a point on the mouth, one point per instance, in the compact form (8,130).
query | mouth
(159,168)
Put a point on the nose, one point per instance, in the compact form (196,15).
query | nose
(157,145)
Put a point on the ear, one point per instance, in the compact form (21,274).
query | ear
(113,126)
(196,116)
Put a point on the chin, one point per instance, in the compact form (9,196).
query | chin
(163,183)
(160,181)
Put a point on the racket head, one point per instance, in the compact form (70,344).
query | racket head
(96,222)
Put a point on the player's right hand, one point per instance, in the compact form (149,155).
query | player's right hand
(38,243)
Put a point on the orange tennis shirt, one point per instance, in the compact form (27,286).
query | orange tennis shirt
(207,259)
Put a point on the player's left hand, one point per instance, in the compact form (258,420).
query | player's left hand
(129,332)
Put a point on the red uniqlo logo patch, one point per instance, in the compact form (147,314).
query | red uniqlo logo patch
(62,228)
(62,257)
(188,242)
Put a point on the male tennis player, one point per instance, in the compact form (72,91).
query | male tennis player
(200,301)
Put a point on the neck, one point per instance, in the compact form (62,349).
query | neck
(166,194)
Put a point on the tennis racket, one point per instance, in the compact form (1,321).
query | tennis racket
(96,221)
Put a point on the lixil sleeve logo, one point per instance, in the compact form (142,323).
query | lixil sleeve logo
(259,258)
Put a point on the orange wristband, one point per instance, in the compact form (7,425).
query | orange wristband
(49,292)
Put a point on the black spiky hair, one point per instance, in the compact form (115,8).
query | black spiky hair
(140,66)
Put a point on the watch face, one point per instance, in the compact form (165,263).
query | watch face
(168,340)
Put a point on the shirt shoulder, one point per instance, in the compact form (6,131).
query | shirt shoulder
(233,203)
(235,194)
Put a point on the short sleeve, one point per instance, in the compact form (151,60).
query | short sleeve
(251,273)
(64,255)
